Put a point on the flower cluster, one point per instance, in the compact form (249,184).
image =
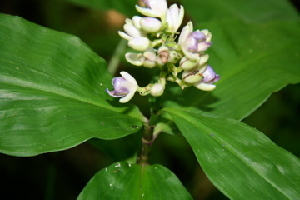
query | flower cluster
(179,55)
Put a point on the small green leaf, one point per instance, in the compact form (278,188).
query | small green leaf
(131,181)
(247,11)
(253,61)
(239,160)
(52,92)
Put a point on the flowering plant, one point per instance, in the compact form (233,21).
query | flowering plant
(56,93)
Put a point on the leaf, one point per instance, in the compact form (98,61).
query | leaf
(247,11)
(131,181)
(52,92)
(239,160)
(252,60)
(127,7)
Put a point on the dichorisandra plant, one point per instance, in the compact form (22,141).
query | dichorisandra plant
(180,56)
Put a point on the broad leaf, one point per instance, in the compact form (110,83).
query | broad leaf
(247,11)
(238,159)
(252,60)
(125,181)
(126,7)
(52,92)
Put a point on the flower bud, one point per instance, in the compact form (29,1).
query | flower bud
(136,59)
(155,8)
(187,64)
(124,87)
(150,59)
(157,89)
(150,24)
(139,43)
(174,17)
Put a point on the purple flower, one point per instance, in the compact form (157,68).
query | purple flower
(124,87)
(209,77)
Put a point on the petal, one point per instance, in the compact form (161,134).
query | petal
(158,6)
(129,78)
(136,21)
(185,33)
(150,24)
(134,59)
(132,30)
(139,43)
(147,12)
(127,98)
(205,86)
(124,35)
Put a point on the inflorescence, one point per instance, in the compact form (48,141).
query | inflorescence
(179,55)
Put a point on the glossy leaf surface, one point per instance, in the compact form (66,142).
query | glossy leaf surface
(247,11)
(239,160)
(52,92)
(253,61)
(131,181)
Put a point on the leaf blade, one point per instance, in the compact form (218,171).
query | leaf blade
(52,90)
(132,181)
(239,160)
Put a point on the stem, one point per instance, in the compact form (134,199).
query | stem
(115,59)
(147,141)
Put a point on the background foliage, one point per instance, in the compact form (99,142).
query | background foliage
(277,118)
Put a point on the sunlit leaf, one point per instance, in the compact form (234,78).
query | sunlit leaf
(52,92)
(127,182)
(242,162)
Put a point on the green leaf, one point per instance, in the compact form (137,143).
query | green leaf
(127,7)
(247,11)
(252,60)
(131,181)
(52,92)
(239,160)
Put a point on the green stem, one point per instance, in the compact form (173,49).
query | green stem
(147,141)
(115,59)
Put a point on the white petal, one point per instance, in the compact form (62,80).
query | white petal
(136,21)
(124,35)
(134,59)
(205,86)
(139,43)
(129,78)
(185,33)
(127,98)
(147,12)
(132,30)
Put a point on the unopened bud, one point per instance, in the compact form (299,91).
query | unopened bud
(157,89)
(139,43)
(150,24)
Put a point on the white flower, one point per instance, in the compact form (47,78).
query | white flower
(174,18)
(157,89)
(155,8)
(131,30)
(124,87)
(139,43)
(147,58)
(150,24)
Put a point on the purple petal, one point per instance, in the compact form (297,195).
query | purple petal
(209,75)
(198,35)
